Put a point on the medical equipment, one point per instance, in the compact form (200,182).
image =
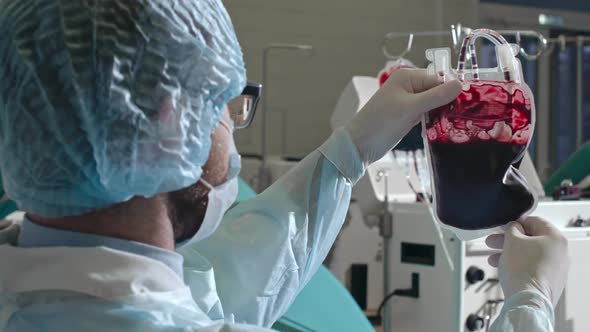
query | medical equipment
(475,143)
(456,288)
(457,32)
(567,112)
(581,45)
(463,293)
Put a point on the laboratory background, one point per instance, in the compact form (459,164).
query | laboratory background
(392,268)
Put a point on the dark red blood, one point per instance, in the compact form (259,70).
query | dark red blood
(387,72)
(459,123)
(471,186)
(519,120)
(383,78)
(474,179)
(518,98)
(484,104)
(484,124)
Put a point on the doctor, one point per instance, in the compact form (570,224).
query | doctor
(117,141)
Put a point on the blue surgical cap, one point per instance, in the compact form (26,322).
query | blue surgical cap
(103,100)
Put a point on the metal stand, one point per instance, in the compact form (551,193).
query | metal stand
(386,232)
(264,178)
(457,32)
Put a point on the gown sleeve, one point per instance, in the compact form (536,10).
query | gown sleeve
(268,248)
(526,311)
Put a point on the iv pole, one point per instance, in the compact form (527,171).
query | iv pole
(457,32)
(264,178)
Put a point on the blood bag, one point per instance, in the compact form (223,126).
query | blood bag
(475,144)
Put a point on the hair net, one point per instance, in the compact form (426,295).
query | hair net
(103,100)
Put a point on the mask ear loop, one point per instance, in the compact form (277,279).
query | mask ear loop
(229,176)
(228,126)
(206,183)
(469,41)
(231,128)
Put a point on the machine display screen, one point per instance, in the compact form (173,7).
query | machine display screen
(415,253)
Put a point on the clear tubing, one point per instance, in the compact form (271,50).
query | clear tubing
(469,42)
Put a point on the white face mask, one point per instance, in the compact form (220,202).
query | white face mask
(220,199)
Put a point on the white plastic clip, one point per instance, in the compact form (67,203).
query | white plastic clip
(440,62)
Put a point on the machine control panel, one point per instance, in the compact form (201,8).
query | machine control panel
(475,323)
(579,222)
(474,275)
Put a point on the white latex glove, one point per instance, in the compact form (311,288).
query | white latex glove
(534,257)
(395,109)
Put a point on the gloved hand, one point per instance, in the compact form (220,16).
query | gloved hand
(397,107)
(534,257)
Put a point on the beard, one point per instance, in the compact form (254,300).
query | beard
(186,210)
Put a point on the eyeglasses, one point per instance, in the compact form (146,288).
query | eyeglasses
(243,107)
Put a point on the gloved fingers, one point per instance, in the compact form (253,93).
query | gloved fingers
(535,226)
(494,260)
(437,96)
(419,80)
(515,230)
(495,241)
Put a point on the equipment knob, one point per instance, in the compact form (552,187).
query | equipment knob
(474,274)
(579,222)
(474,323)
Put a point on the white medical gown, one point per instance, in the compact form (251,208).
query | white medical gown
(249,272)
